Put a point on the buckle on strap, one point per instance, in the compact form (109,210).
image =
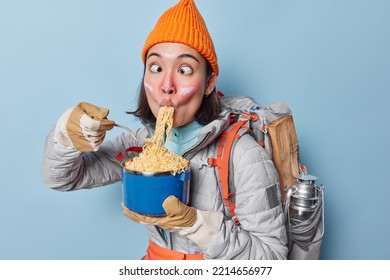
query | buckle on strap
(212,162)
(235,220)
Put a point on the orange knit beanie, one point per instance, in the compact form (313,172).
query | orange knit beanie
(184,24)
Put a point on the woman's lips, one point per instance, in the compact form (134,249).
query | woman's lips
(166,103)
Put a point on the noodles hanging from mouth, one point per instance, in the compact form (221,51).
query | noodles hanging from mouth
(155,157)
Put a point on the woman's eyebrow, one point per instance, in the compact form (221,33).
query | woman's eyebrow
(153,54)
(188,55)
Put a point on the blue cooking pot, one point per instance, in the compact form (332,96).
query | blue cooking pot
(145,192)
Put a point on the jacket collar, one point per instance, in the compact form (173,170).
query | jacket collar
(209,134)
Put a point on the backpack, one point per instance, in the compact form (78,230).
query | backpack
(273,128)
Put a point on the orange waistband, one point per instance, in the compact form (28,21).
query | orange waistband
(155,252)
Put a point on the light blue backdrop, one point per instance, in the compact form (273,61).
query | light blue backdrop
(328,59)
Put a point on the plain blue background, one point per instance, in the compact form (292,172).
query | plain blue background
(329,60)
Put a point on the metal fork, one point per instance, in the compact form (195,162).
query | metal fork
(146,140)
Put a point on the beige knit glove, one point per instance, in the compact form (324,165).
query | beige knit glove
(178,215)
(83,127)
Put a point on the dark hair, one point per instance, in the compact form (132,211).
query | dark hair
(208,111)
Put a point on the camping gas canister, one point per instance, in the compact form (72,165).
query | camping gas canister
(302,197)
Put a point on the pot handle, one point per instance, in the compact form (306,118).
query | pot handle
(184,176)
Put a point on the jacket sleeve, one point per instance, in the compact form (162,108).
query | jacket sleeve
(66,169)
(262,233)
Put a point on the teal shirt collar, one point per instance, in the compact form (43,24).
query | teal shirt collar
(184,137)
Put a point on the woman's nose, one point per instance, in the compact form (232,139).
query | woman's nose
(168,86)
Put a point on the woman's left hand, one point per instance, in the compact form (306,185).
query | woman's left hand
(178,216)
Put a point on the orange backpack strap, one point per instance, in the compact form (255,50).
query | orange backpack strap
(222,162)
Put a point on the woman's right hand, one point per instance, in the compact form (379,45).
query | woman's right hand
(83,127)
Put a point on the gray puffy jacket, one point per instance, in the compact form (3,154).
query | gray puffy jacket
(261,235)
